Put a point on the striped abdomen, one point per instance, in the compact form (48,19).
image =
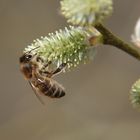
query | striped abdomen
(50,88)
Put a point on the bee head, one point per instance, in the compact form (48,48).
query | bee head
(25,58)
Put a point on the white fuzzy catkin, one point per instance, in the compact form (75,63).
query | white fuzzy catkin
(136,35)
(135,94)
(86,12)
(70,46)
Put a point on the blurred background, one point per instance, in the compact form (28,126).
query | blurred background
(97,103)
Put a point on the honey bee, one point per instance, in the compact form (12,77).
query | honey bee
(39,78)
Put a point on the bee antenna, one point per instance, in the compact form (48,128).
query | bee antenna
(32,50)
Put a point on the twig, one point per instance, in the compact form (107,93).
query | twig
(110,39)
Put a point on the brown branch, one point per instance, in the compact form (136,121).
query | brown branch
(110,39)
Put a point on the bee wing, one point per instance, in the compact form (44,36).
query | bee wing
(36,93)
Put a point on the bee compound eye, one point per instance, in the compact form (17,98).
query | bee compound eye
(29,56)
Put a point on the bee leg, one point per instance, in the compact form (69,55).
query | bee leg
(46,65)
(39,59)
(59,69)
(43,70)
(45,73)
(50,74)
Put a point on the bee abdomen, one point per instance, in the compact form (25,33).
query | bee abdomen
(55,92)
(59,93)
